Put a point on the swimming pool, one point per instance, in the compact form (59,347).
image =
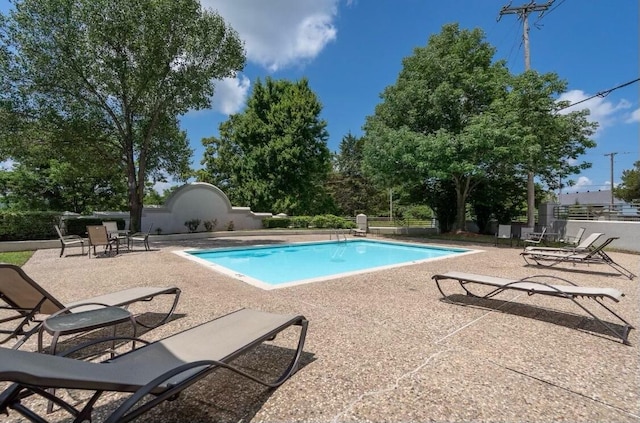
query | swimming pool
(270,267)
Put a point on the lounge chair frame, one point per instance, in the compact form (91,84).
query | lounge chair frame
(596,255)
(163,383)
(28,308)
(532,285)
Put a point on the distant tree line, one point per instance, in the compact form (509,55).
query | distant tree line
(91,92)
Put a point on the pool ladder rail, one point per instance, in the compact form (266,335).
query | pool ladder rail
(338,233)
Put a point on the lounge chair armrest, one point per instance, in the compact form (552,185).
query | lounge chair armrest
(99,341)
(530,279)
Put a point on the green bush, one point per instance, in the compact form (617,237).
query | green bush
(331,221)
(78,226)
(300,221)
(418,213)
(276,222)
(23,226)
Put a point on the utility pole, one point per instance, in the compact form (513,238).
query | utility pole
(523,13)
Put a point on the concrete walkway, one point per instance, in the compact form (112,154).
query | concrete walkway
(383,346)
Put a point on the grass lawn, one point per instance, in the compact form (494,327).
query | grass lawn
(18,257)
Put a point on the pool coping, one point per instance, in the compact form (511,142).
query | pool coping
(268,287)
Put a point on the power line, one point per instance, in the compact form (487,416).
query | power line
(600,94)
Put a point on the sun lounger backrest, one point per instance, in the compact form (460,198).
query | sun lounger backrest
(588,241)
(19,290)
(599,248)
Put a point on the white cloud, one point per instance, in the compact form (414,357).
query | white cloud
(602,111)
(280,33)
(583,183)
(230,94)
(634,116)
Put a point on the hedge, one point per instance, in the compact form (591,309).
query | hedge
(24,226)
(326,221)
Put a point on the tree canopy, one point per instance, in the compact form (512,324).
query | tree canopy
(273,156)
(629,188)
(430,123)
(456,115)
(109,78)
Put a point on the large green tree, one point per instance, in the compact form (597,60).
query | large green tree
(431,123)
(273,156)
(546,143)
(351,190)
(629,188)
(110,78)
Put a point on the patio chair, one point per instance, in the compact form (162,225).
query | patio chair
(157,372)
(504,232)
(114,232)
(69,240)
(592,256)
(27,301)
(140,236)
(98,236)
(535,238)
(536,285)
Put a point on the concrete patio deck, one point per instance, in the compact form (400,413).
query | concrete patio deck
(383,346)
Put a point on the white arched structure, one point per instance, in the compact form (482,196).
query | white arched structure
(202,201)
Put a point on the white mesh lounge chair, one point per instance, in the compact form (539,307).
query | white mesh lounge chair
(591,256)
(573,241)
(535,238)
(26,301)
(584,245)
(537,285)
(155,372)
(67,240)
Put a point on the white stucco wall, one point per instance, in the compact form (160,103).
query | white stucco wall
(202,201)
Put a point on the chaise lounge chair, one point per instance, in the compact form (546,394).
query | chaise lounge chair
(158,371)
(535,285)
(584,246)
(28,301)
(593,256)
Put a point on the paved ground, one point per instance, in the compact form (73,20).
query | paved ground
(384,346)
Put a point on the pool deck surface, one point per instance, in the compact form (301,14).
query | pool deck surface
(384,346)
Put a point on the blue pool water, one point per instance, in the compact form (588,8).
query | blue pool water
(283,265)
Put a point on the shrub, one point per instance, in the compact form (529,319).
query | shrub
(230,226)
(300,222)
(192,225)
(276,222)
(78,226)
(331,221)
(209,225)
(22,226)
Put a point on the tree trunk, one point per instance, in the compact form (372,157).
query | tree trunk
(531,201)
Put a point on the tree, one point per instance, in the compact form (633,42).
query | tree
(273,156)
(110,78)
(431,123)
(55,185)
(547,142)
(351,190)
(629,188)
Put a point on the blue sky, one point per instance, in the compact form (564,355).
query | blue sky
(350,50)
